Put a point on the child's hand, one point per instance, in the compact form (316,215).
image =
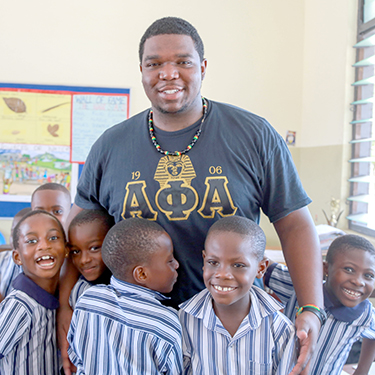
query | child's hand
(307,329)
(64,316)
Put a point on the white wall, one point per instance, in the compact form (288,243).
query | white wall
(288,61)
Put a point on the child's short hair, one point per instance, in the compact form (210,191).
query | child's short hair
(348,242)
(89,216)
(52,186)
(16,232)
(129,243)
(244,227)
(22,212)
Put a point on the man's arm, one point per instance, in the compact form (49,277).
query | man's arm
(68,277)
(366,357)
(301,249)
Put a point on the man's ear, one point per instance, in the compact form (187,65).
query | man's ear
(16,257)
(203,68)
(140,275)
(262,267)
(140,67)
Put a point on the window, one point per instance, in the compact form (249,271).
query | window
(362,181)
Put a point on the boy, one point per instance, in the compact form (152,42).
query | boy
(53,198)
(350,279)
(8,270)
(50,197)
(233,327)
(28,313)
(125,322)
(86,235)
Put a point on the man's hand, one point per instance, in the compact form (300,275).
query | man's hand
(307,329)
(64,316)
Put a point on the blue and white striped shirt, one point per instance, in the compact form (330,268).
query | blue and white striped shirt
(8,272)
(335,337)
(122,328)
(82,284)
(27,330)
(264,344)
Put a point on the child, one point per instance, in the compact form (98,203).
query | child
(28,313)
(125,322)
(350,279)
(53,198)
(233,327)
(8,270)
(86,235)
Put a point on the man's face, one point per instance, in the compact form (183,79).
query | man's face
(172,73)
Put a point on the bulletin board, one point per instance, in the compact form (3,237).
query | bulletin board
(46,133)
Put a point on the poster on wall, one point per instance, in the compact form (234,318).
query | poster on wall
(45,131)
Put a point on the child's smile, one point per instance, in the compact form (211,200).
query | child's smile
(351,276)
(41,250)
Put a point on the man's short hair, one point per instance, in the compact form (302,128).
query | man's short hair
(348,242)
(128,244)
(52,186)
(16,231)
(244,227)
(172,25)
(89,216)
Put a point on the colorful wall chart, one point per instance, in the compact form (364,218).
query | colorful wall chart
(45,131)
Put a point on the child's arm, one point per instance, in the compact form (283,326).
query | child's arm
(68,277)
(366,357)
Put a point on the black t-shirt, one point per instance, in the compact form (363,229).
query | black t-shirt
(238,166)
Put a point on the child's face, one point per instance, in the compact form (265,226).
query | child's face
(86,249)
(161,267)
(41,250)
(351,277)
(230,268)
(55,202)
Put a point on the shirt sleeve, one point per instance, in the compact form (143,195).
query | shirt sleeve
(282,188)
(15,320)
(285,351)
(186,343)
(9,271)
(278,279)
(369,333)
(72,350)
(88,188)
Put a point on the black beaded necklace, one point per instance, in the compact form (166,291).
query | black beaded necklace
(190,146)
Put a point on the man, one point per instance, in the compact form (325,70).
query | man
(189,161)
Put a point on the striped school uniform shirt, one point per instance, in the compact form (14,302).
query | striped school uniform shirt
(27,330)
(8,272)
(123,328)
(82,284)
(264,344)
(343,327)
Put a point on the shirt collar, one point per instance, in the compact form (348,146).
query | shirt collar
(104,278)
(262,305)
(28,286)
(341,312)
(126,288)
